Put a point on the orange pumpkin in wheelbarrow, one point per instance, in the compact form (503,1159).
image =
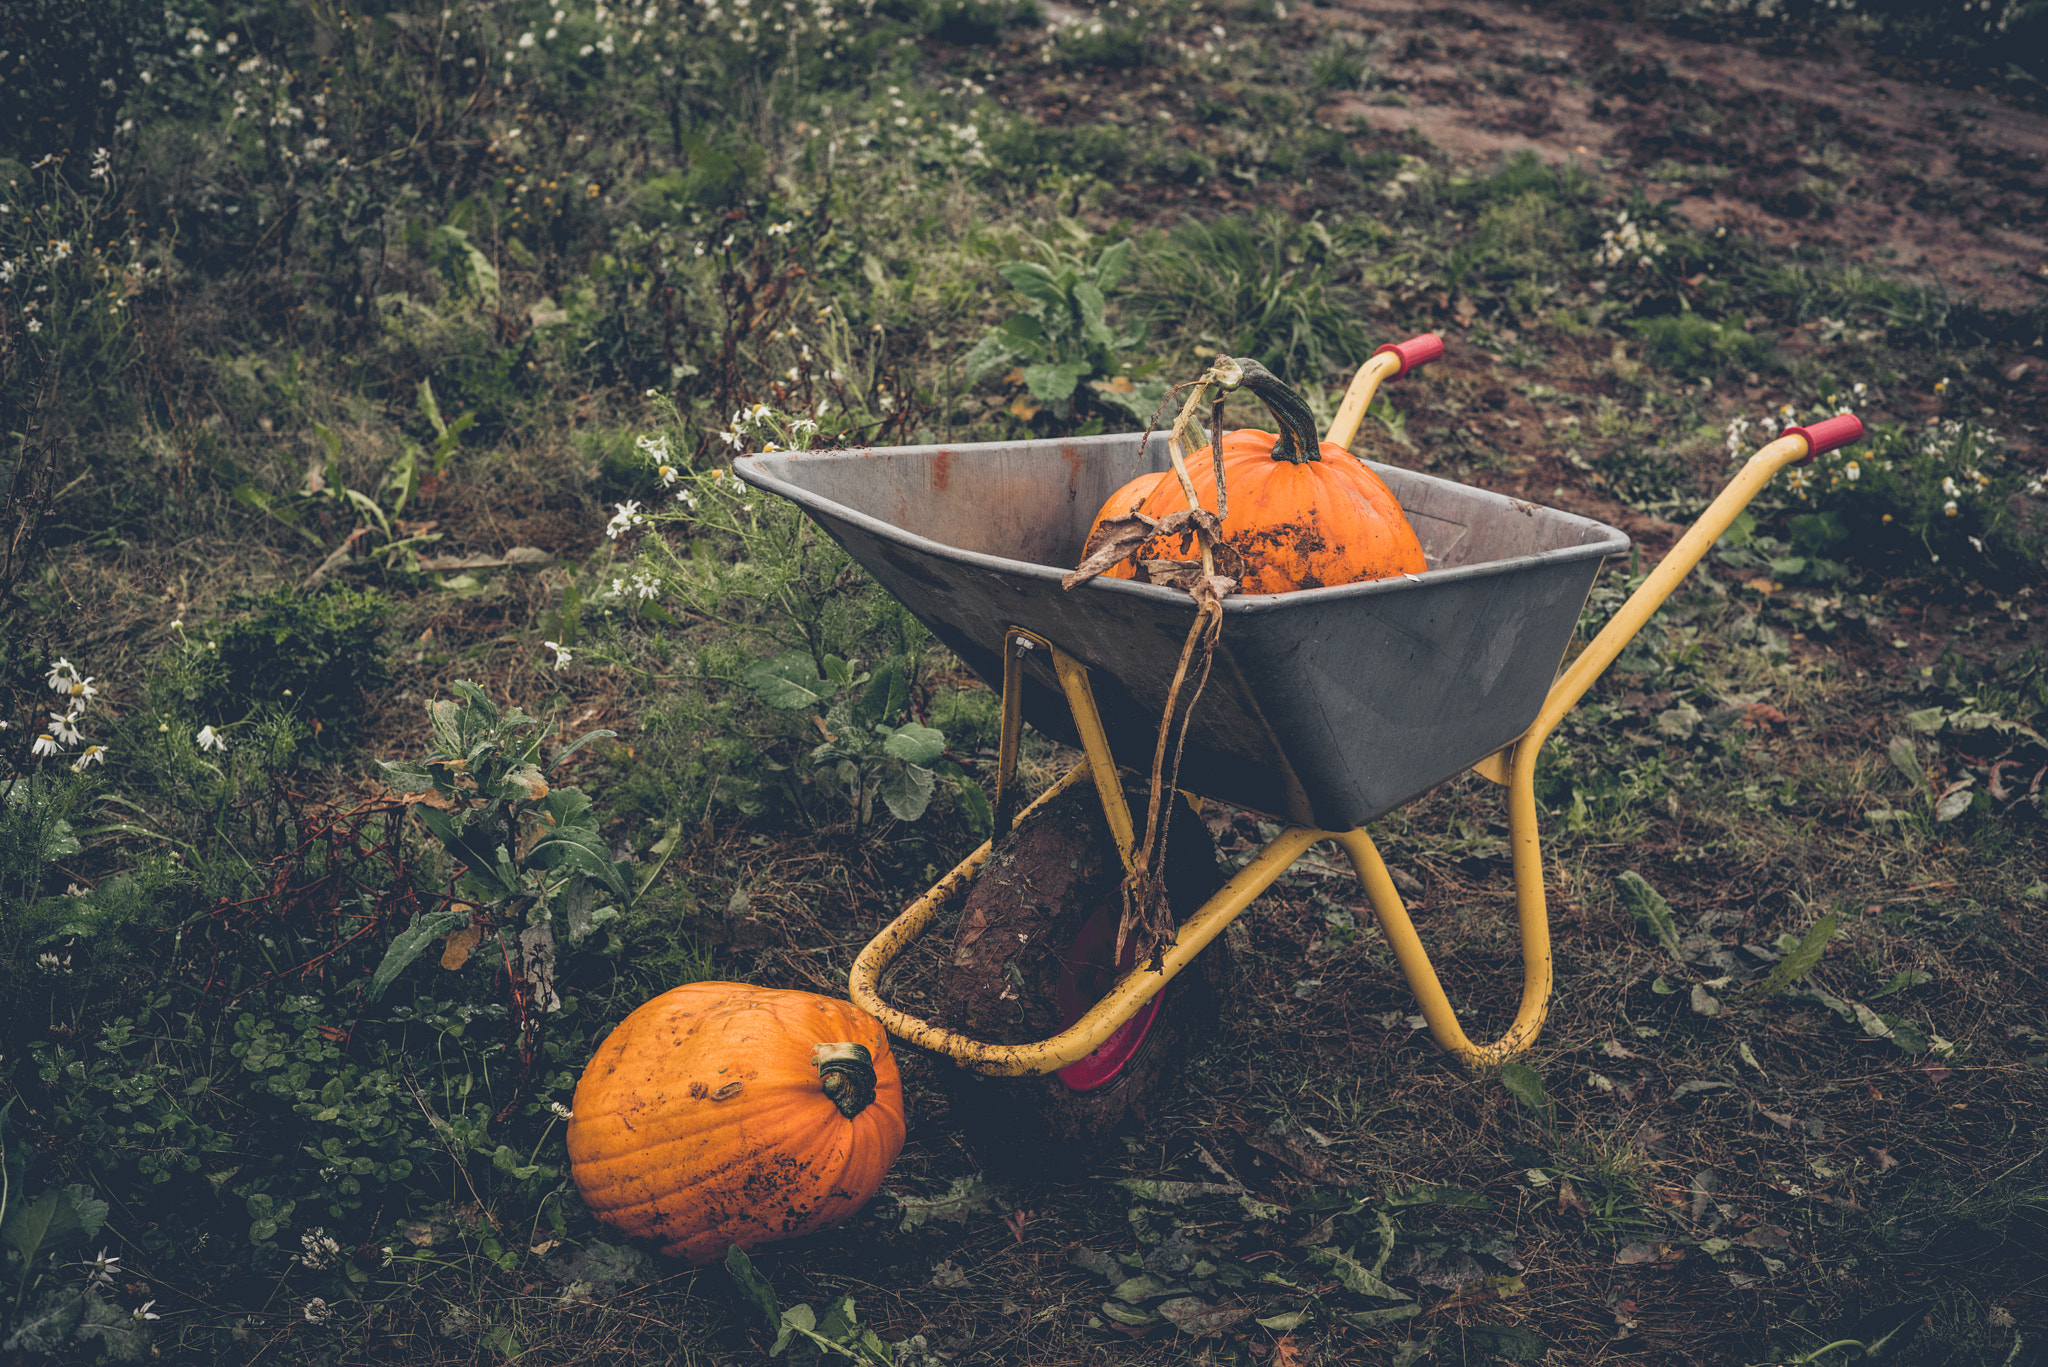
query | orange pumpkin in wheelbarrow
(1304,513)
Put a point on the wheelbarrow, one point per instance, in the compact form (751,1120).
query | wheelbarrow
(1326,707)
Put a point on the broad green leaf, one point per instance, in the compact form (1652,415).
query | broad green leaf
(485,862)
(403,478)
(1651,911)
(50,1218)
(1196,1317)
(1830,1001)
(89,1210)
(1091,303)
(991,351)
(1355,1275)
(410,944)
(124,1337)
(1175,1193)
(1903,1033)
(367,506)
(1054,383)
(974,803)
(48,1324)
(1954,802)
(797,1322)
(1525,1084)
(887,694)
(406,776)
(1284,1322)
(1907,761)
(754,1289)
(328,440)
(1912,977)
(573,746)
(1366,1319)
(465,268)
(967,1196)
(1110,266)
(1927,719)
(1141,403)
(574,842)
(907,791)
(1143,1287)
(786,681)
(429,409)
(524,782)
(1022,334)
(1796,964)
(1030,278)
(59,842)
(915,744)
(1130,1316)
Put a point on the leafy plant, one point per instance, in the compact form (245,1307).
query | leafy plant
(529,851)
(866,753)
(758,566)
(1062,336)
(1337,65)
(1262,288)
(809,1335)
(43,1314)
(1691,345)
(377,534)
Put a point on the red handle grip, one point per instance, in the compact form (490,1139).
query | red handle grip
(1415,351)
(1828,434)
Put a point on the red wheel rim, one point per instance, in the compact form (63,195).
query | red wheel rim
(1086,975)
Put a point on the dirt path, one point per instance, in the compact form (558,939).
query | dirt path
(1944,186)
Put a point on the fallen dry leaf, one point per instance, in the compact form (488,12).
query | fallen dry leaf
(460,943)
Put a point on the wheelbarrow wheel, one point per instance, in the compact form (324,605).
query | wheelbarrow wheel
(1035,949)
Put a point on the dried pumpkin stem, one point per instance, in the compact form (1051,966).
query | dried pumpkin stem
(1298,437)
(846,1073)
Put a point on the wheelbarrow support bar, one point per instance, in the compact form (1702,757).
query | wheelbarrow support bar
(1513,766)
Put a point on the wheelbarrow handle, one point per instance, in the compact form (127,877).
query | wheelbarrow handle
(1839,430)
(1395,358)
(1414,352)
(1794,445)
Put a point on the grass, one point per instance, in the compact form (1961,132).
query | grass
(478,295)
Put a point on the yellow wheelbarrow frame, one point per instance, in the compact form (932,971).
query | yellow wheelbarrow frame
(1513,767)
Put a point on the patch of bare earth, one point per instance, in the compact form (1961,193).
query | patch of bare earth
(1943,186)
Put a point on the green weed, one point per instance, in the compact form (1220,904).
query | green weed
(1062,336)
(1264,288)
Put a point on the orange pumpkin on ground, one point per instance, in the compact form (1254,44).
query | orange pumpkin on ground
(1303,513)
(721,1114)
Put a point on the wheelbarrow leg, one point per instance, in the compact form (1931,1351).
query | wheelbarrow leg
(1414,959)
(1515,766)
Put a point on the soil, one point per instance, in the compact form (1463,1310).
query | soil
(1945,186)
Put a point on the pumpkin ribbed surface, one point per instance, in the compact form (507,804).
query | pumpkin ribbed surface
(703,1120)
(1299,525)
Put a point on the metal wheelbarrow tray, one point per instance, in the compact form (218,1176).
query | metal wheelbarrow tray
(1327,708)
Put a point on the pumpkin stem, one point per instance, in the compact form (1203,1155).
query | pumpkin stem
(846,1072)
(1298,440)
